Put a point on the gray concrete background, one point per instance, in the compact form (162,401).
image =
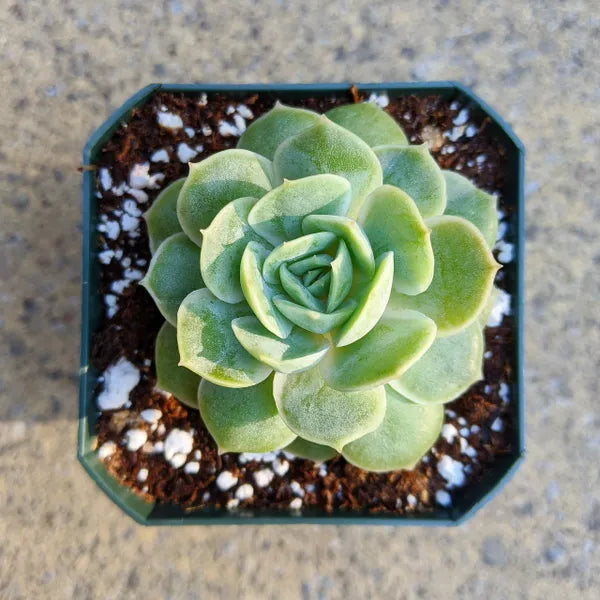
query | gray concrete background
(66,64)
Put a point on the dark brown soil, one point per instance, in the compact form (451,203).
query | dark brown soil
(131,331)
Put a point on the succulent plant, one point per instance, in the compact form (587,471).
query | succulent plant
(323,286)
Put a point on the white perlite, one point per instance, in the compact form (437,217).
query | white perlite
(140,178)
(501,308)
(497,425)
(296,504)
(178,444)
(412,501)
(452,471)
(142,475)
(244,492)
(160,156)
(233,503)
(296,489)
(449,432)
(119,380)
(462,117)
(265,457)
(135,439)
(381,100)
(263,477)
(206,130)
(185,153)
(189,131)
(192,467)
(506,251)
(227,129)
(151,415)
(169,120)
(280,467)
(443,498)
(504,392)
(226,480)
(107,449)
(245,112)
(105,179)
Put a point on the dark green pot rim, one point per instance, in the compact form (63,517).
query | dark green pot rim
(465,503)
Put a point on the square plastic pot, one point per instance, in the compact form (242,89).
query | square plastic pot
(466,501)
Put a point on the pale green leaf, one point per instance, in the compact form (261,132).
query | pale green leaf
(309,450)
(406,433)
(319,287)
(294,250)
(484,315)
(278,215)
(208,346)
(371,304)
(387,351)
(341,277)
(351,232)
(392,222)
(369,122)
(170,377)
(272,128)
(450,366)
(296,290)
(463,276)
(224,242)
(323,415)
(467,201)
(313,320)
(217,180)
(315,261)
(311,276)
(300,350)
(243,420)
(258,293)
(161,218)
(413,169)
(173,273)
(329,148)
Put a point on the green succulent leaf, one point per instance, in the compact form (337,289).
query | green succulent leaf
(341,277)
(278,215)
(406,433)
(350,231)
(170,377)
(217,180)
(392,222)
(208,346)
(324,415)
(316,261)
(296,290)
(243,420)
(463,276)
(329,148)
(414,170)
(369,122)
(312,276)
(305,449)
(300,350)
(224,242)
(258,293)
(449,367)
(467,201)
(173,273)
(388,350)
(280,123)
(320,286)
(295,250)
(486,311)
(371,304)
(314,320)
(161,218)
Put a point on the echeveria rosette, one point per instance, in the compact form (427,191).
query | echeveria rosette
(324,285)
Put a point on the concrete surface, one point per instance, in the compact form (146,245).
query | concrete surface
(66,64)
